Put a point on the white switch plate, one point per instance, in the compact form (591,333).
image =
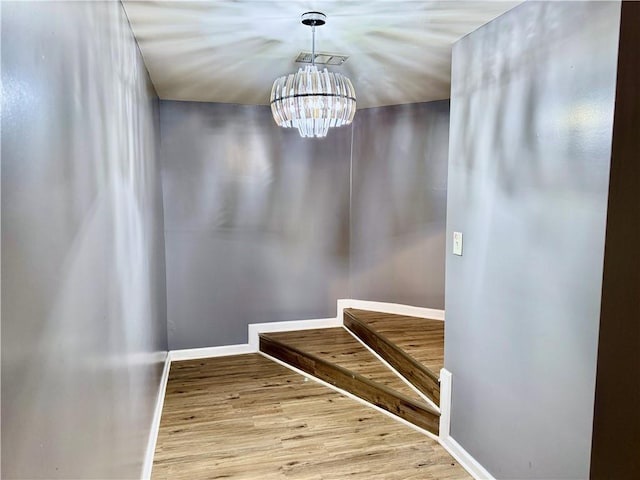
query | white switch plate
(457,243)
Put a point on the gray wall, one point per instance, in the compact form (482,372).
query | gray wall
(83,308)
(398,204)
(530,143)
(258,225)
(256,221)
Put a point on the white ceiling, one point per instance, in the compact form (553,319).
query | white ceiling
(231,51)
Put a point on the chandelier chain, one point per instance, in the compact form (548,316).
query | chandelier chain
(313,45)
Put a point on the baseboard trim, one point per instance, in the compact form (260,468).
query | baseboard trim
(155,423)
(394,308)
(210,352)
(464,458)
(255,329)
(352,397)
(466,461)
(445,402)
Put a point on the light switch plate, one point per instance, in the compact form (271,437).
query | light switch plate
(457,243)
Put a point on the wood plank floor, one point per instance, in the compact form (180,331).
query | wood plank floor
(415,372)
(414,411)
(338,346)
(422,338)
(246,417)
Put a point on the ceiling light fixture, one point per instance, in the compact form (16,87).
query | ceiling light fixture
(310,100)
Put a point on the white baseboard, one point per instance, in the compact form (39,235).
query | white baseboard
(445,402)
(394,308)
(470,464)
(210,352)
(255,329)
(155,423)
(463,457)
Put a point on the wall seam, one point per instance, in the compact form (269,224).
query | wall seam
(349,275)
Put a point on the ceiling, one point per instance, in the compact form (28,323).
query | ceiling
(231,51)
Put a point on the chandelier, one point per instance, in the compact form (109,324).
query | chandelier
(310,100)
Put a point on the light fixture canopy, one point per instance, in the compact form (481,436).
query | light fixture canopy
(310,100)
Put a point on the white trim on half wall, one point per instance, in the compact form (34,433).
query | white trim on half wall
(255,329)
(394,308)
(210,352)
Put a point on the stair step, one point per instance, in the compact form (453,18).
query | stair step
(422,338)
(337,345)
(289,347)
(410,345)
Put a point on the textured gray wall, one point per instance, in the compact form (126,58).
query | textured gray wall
(398,204)
(83,302)
(256,221)
(530,143)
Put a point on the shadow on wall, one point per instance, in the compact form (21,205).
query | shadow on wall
(520,126)
(262,225)
(531,123)
(83,311)
(256,221)
(398,205)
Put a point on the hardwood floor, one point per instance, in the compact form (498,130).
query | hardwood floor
(338,346)
(246,417)
(416,412)
(418,374)
(422,338)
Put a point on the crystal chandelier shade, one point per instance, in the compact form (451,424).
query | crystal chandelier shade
(311,100)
